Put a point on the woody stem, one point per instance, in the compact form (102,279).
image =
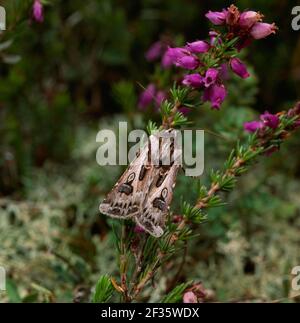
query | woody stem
(157,263)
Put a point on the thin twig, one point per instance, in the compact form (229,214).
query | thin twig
(123,265)
(138,267)
(181,266)
(152,271)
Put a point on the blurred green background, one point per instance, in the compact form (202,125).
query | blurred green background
(78,72)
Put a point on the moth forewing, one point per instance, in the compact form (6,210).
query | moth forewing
(125,199)
(156,206)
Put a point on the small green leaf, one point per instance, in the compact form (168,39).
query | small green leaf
(103,290)
(175,296)
(151,127)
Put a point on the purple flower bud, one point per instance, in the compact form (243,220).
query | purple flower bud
(188,62)
(181,57)
(261,30)
(147,96)
(215,94)
(253,126)
(239,68)
(216,17)
(175,53)
(193,80)
(198,47)
(138,229)
(270,120)
(249,18)
(166,61)
(154,52)
(38,11)
(189,297)
(211,77)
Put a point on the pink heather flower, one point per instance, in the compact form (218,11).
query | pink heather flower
(262,30)
(267,119)
(37,11)
(249,18)
(198,47)
(189,297)
(181,57)
(211,77)
(154,52)
(160,97)
(175,53)
(138,229)
(188,62)
(216,94)
(239,68)
(216,17)
(253,126)
(193,80)
(166,61)
(270,120)
(147,96)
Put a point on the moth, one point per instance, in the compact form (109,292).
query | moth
(145,190)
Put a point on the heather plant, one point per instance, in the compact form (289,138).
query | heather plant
(202,71)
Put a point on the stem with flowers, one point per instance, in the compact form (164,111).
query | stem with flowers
(205,64)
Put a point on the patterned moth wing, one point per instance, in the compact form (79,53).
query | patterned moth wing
(156,206)
(127,195)
(145,190)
